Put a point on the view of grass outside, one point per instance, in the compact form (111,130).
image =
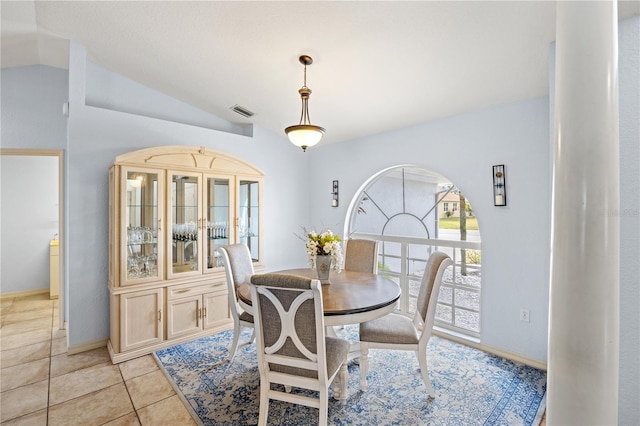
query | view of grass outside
(454,223)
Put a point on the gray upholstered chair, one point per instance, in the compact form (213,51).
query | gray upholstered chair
(398,332)
(361,255)
(292,347)
(238,267)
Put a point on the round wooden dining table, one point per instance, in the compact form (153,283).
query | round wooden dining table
(350,297)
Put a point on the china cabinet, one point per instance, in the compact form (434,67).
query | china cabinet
(170,209)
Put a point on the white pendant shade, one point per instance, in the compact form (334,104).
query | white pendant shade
(304,136)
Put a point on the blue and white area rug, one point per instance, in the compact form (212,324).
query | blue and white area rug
(472,387)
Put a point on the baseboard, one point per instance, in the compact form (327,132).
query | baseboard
(76,349)
(535,363)
(541,365)
(24,293)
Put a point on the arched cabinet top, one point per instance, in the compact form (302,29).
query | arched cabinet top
(192,157)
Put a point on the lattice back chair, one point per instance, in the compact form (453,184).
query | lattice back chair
(361,255)
(238,267)
(293,349)
(398,332)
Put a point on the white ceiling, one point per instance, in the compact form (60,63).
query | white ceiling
(377,65)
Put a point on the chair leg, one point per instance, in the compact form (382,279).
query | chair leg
(422,360)
(324,407)
(250,341)
(234,344)
(344,379)
(264,403)
(364,364)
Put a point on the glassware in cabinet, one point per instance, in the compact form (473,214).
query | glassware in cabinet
(219,229)
(142,228)
(184,216)
(249,220)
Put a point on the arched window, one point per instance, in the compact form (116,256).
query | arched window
(413,212)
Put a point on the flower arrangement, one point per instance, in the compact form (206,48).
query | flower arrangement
(326,243)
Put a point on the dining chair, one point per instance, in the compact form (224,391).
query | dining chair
(399,332)
(291,344)
(238,268)
(361,255)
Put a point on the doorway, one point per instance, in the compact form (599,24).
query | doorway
(32,223)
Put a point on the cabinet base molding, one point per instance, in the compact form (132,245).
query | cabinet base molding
(136,353)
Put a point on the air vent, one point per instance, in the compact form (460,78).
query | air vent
(242,111)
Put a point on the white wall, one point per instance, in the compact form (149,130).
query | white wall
(29,220)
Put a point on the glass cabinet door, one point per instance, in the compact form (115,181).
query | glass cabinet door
(219,225)
(186,223)
(249,216)
(142,256)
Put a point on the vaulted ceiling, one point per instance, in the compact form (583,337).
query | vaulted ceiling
(377,65)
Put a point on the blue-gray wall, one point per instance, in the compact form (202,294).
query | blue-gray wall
(31,110)
(629,71)
(31,107)
(29,220)
(515,238)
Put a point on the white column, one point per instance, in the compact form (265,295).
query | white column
(583,314)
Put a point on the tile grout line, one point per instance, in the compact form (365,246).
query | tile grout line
(124,382)
(50,362)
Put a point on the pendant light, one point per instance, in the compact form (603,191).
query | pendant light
(304,134)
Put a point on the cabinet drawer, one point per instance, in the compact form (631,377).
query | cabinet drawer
(179,291)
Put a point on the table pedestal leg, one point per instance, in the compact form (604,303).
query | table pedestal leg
(354,355)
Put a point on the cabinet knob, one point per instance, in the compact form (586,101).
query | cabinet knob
(159,224)
(204,312)
(159,316)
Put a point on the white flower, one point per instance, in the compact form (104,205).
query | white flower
(326,243)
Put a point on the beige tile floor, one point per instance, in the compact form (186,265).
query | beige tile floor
(40,384)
